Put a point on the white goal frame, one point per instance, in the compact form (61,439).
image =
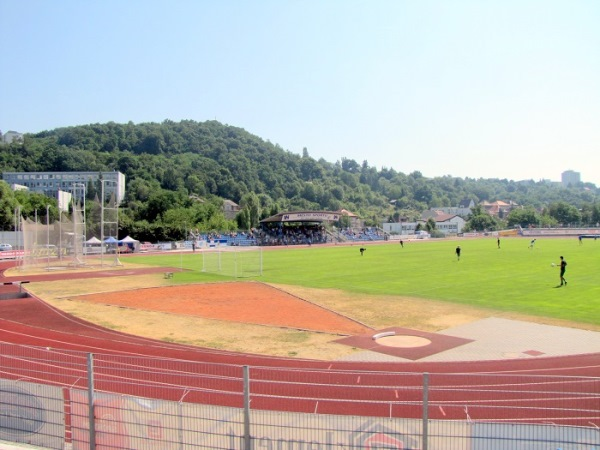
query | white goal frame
(236,262)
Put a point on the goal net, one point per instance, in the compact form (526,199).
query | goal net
(236,262)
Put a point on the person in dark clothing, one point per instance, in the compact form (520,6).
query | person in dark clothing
(563,268)
(458,252)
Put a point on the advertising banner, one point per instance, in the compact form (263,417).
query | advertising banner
(310,217)
(32,414)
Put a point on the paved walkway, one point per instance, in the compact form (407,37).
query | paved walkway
(501,339)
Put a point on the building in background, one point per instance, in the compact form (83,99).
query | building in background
(51,183)
(449,223)
(230,209)
(570,177)
(11,136)
(463,209)
(499,208)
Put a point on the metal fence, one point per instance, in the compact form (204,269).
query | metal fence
(64,399)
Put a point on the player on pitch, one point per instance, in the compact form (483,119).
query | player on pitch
(563,267)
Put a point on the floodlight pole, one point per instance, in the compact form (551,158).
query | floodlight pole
(48,237)
(36,243)
(19,235)
(60,240)
(102,224)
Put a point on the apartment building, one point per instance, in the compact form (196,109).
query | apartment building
(51,183)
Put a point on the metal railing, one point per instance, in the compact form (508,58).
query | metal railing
(64,399)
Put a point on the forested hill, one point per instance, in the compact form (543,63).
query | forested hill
(208,160)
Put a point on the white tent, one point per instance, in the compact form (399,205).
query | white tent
(92,246)
(129,242)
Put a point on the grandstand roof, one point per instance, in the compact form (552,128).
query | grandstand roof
(304,216)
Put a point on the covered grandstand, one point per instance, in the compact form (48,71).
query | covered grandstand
(312,227)
(297,227)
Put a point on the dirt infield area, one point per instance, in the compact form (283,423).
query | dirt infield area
(249,317)
(241,302)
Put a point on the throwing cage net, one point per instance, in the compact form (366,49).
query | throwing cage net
(236,262)
(56,245)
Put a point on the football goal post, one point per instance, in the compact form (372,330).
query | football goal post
(236,262)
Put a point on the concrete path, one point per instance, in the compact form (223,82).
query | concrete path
(501,339)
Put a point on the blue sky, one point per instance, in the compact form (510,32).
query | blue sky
(491,89)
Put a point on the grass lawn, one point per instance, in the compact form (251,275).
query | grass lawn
(513,278)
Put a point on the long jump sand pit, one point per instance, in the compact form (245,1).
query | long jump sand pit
(244,302)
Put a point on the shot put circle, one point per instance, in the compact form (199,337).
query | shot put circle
(403,341)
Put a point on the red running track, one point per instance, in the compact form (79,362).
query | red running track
(53,346)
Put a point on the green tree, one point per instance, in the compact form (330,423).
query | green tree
(8,206)
(34,204)
(590,214)
(151,143)
(430,225)
(243,220)
(564,213)
(160,202)
(523,217)
(181,218)
(480,220)
(171,180)
(194,185)
(218,223)
(251,204)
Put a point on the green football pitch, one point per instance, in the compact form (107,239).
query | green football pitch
(512,278)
